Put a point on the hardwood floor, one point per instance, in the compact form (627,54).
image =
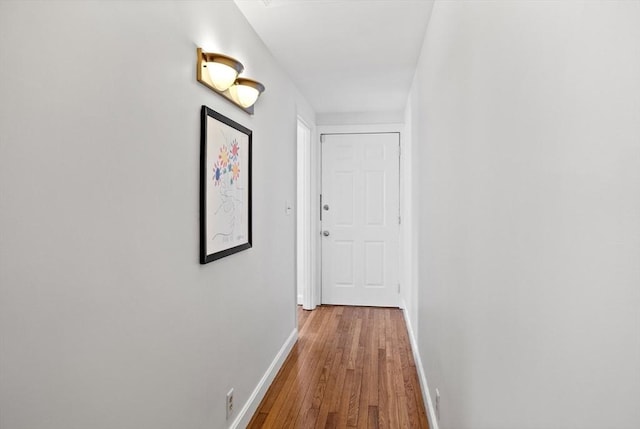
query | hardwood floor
(352,367)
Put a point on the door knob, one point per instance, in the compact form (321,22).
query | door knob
(326,207)
(325,233)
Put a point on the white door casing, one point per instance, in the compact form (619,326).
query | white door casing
(360,214)
(303,214)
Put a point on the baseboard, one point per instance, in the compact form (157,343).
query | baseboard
(250,407)
(300,301)
(426,395)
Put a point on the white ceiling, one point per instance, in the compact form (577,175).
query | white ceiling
(345,56)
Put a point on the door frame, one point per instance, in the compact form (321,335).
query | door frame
(316,161)
(305,232)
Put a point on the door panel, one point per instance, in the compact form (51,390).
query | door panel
(360,178)
(344,198)
(374,198)
(374,264)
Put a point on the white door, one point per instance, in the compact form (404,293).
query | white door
(360,217)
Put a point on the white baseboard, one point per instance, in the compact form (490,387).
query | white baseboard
(426,396)
(250,407)
(300,301)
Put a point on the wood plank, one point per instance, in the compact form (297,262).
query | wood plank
(390,373)
(383,390)
(373,417)
(366,340)
(344,397)
(354,397)
(332,421)
(397,374)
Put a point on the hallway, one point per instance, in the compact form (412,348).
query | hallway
(518,214)
(351,367)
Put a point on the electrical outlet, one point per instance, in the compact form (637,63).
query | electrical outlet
(437,405)
(229,403)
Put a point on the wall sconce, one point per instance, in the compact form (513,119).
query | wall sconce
(220,73)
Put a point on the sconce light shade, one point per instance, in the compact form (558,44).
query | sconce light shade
(220,72)
(246,91)
(223,70)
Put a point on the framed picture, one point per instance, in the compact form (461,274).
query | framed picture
(225,186)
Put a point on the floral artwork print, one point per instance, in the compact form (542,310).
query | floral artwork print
(227,205)
(227,196)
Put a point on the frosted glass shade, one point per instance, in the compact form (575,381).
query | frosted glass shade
(222,76)
(244,95)
(222,70)
(246,91)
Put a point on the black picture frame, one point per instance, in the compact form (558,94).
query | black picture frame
(225,186)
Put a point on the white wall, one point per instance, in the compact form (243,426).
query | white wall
(526,119)
(359,118)
(409,227)
(106,318)
(303,214)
